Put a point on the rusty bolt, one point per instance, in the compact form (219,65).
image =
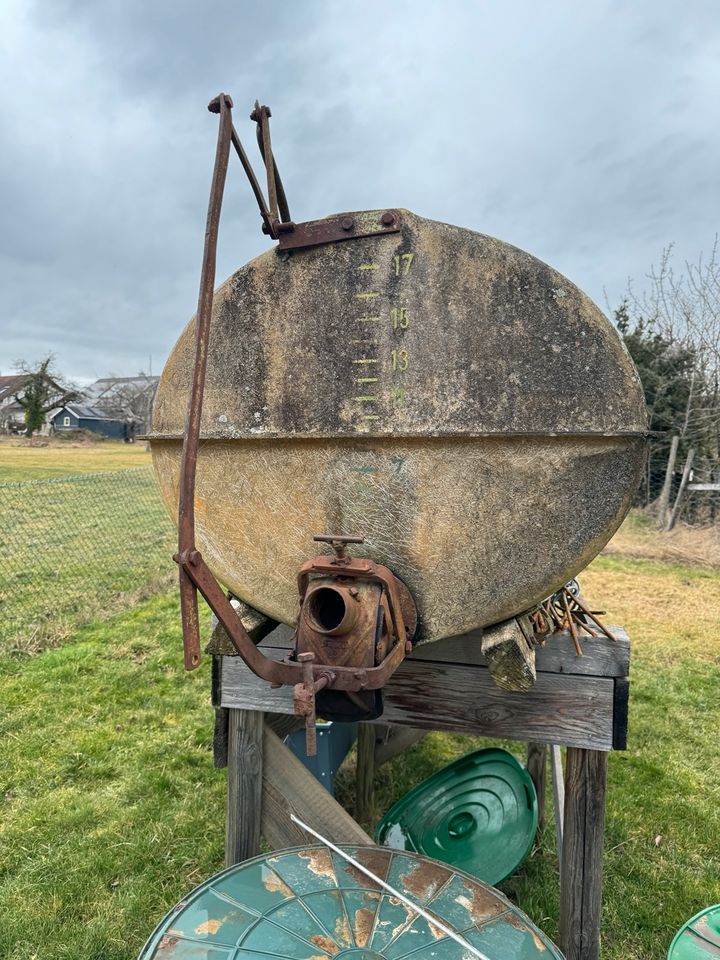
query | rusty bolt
(353,591)
(387,219)
(346,223)
(214,105)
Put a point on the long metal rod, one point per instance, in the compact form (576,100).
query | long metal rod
(448,931)
(188,463)
(255,186)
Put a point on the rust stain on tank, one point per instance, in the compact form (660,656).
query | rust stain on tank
(423,880)
(364,920)
(376,861)
(518,924)
(325,943)
(319,862)
(342,930)
(274,884)
(480,903)
(210,926)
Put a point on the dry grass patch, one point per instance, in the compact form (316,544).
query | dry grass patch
(670,611)
(637,537)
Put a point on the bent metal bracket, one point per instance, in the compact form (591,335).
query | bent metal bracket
(395,608)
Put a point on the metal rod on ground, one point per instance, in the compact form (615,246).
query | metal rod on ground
(395,893)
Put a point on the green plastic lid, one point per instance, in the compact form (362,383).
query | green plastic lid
(308,903)
(478,814)
(699,937)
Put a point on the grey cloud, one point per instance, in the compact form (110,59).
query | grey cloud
(587,134)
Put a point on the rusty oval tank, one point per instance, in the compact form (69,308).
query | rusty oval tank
(452,399)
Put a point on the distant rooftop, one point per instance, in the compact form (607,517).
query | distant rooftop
(9,386)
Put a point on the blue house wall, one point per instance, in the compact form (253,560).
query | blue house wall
(112,429)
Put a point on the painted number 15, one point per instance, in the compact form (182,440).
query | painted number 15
(400,319)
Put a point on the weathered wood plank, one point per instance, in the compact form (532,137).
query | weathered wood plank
(244,785)
(537,768)
(601,657)
(288,787)
(575,711)
(620,713)
(558,784)
(582,859)
(365,772)
(569,710)
(509,657)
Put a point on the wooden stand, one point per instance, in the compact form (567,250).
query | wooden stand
(577,702)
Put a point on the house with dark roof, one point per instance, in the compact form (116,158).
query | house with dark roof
(12,415)
(125,398)
(75,416)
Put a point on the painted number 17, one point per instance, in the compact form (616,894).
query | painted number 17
(402,263)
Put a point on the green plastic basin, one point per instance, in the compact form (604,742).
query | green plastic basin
(479,814)
(699,938)
(308,903)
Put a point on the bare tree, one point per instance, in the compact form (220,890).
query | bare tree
(42,391)
(682,306)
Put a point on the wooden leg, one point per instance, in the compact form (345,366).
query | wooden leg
(364,794)
(288,787)
(537,765)
(582,860)
(244,785)
(558,784)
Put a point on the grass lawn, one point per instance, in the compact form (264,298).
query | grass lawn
(75,546)
(111,809)
(20,461)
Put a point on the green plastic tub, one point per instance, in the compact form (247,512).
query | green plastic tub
(478,814)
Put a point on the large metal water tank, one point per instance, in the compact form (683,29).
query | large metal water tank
(447,396)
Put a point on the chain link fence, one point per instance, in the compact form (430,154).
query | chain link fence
(75,547)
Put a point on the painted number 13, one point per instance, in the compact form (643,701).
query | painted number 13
(399,359)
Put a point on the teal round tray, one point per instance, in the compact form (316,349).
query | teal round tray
(308,903)
(479,814)
(699,937)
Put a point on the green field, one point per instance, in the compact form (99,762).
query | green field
(112,809)
(75,547)
(61,458)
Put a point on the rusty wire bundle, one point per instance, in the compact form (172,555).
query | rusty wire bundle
(565,610)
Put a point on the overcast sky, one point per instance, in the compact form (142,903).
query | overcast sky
(586,133)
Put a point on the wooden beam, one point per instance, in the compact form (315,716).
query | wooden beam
(288,787)
(570,710)
(681,490)
(537,767)
(582,857)
(601,657)
(663,502)
(508,655)
(365,773)
(558,784)
(244,785)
